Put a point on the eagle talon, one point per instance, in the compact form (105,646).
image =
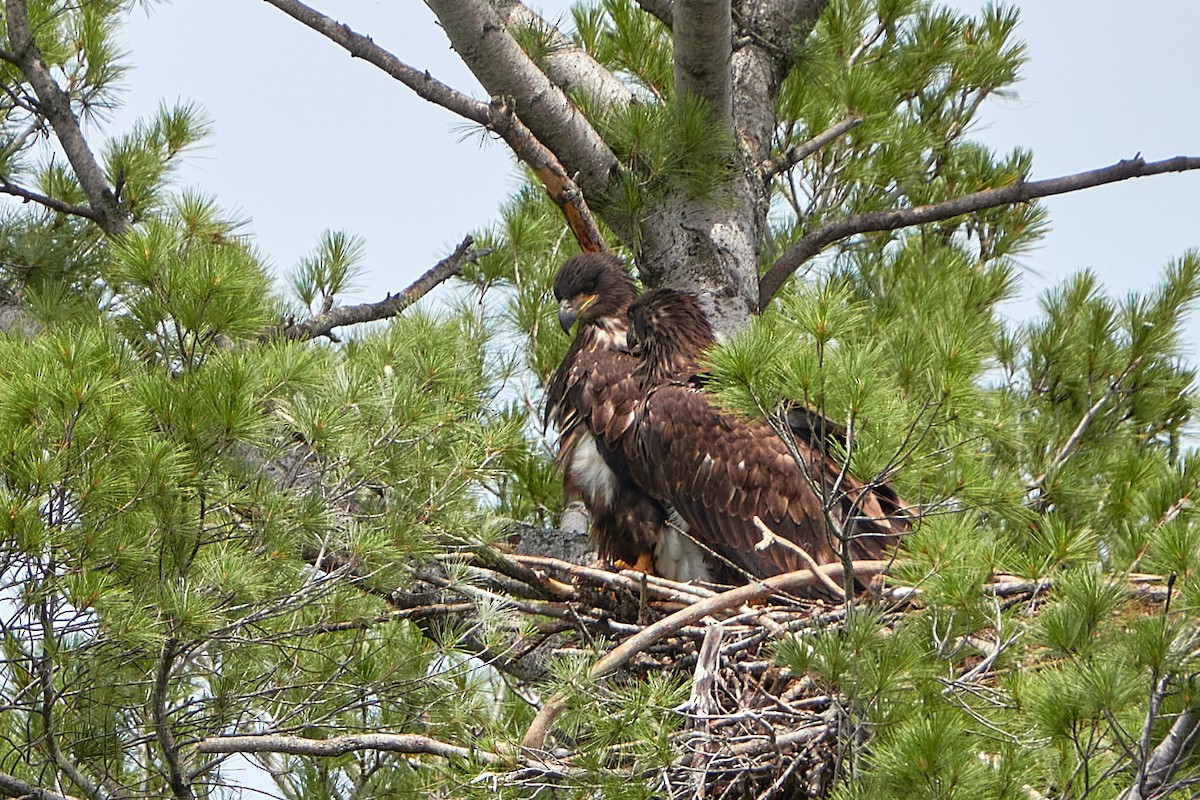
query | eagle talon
(644,564)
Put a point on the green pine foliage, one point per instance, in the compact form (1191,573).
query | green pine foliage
(204,522)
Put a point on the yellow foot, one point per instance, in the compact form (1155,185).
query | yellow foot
(645,564)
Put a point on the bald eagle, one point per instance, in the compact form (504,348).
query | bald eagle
(741,490)
(591,399)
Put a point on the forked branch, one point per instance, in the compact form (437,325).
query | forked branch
(812,243)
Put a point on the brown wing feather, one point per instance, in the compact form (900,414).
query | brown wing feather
(720,471)
(591,400)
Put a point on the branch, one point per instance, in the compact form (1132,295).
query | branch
(770,538)
(56,105)
(504,69)
(568,66)
(162,725)
(45,669)
(535,735)
(496,116)
(703,39)
(1068,448)
(408,743)
(1165,759)
(392,305)
(54,204)
(794,155)
(1020,192)
(661,10)
(11,786)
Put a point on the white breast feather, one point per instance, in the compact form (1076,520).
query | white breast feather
(591,472)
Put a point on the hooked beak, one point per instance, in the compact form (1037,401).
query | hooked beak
(566,315)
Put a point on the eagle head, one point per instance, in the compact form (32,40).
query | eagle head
(590,287)
(668,329)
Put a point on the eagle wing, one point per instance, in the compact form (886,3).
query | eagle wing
(720,472)
(591,399)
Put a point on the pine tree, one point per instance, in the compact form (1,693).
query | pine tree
(227,531)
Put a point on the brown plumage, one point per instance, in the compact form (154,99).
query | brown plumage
(591,399)
(720,471)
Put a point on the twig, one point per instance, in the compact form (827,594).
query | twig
(1021,191)
(409,743)
(323,324)
(794,155)
(1068,447)
(770,537)
(661,587)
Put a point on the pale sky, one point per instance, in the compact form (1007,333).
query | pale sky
(306,138)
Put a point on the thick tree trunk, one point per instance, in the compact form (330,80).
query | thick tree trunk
(712,245)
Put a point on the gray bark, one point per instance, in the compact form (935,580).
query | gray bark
(497,60)
(56,105)
(568,66)
(703,38)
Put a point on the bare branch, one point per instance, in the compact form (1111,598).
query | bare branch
(1020,192)
(496,116)
(567,65)
(408,743)
(29,196)
(504,69)
(11,786)
(770,538)
(56,105)
(392,305)
(1068,447)
(535,735)
(794,155)
(1158,770)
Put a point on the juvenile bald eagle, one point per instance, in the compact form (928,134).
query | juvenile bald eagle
(720,472)
(591,399)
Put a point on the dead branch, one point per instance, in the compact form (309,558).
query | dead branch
(1068,447)
(408,743)
(394,304)
(794,155)
(813,242)
(496,116)
(770,538)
